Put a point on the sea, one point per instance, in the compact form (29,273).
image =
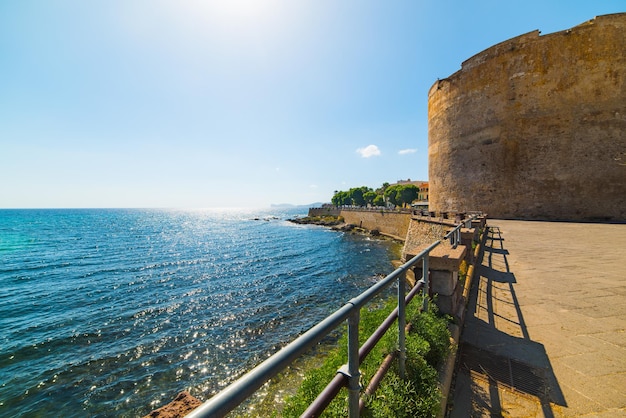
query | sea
(112,312)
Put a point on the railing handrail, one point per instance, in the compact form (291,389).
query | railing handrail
(328,394)
(455,234)
(238,391)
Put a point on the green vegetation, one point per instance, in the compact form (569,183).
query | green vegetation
(397,195)
(357,196)
(427,345)
(401,194)
(463,269)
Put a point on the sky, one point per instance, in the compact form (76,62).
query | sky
(238,103)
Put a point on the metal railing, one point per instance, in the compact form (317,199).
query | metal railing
(237,392)
(455,235)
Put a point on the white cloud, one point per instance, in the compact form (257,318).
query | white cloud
(369,151)
(313,186)
(407,151)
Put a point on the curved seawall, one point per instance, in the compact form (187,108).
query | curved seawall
(394,224)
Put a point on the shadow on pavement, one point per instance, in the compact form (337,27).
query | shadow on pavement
(496,352)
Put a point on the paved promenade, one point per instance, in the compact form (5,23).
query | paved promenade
(545,329)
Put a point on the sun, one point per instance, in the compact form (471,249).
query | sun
(242,8)
(234,12)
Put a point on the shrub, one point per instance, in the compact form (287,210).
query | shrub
(434,329)
(427,345)
(416,396)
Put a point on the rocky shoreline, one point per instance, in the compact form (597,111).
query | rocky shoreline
(318,220)
(333,222)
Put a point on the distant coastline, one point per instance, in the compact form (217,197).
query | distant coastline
(292,206)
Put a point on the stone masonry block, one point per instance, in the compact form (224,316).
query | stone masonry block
(480,222)
(444,282)
(469,234)
(444,257)
(443,263)
(449,304)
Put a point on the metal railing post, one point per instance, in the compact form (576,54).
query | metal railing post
(354,387)
(455,236)
(401,325)
(426,280)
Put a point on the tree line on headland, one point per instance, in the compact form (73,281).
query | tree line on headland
(397,195)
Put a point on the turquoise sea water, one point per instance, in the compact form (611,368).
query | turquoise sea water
(113,312)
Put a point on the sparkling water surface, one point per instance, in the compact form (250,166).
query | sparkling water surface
(113,312)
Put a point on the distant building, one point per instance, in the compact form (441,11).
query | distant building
(408,181)
(423,193)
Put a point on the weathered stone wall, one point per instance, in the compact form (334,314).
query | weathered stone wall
(395,224)
(326,211)
(535,127)
(420,234)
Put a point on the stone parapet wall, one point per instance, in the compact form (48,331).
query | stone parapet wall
(535,127)
(325,211)
(395,224)
(421,234)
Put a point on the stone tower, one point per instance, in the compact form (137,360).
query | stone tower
(535,127)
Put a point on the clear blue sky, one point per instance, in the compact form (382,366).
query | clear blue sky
(234,103)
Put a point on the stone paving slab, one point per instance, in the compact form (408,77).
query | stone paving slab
(550,297)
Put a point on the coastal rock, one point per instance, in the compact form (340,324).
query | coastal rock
(183,404)
(317,220)
(343,227)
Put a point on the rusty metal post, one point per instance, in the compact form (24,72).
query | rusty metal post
(426,280)
(354,387)
(401,325)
